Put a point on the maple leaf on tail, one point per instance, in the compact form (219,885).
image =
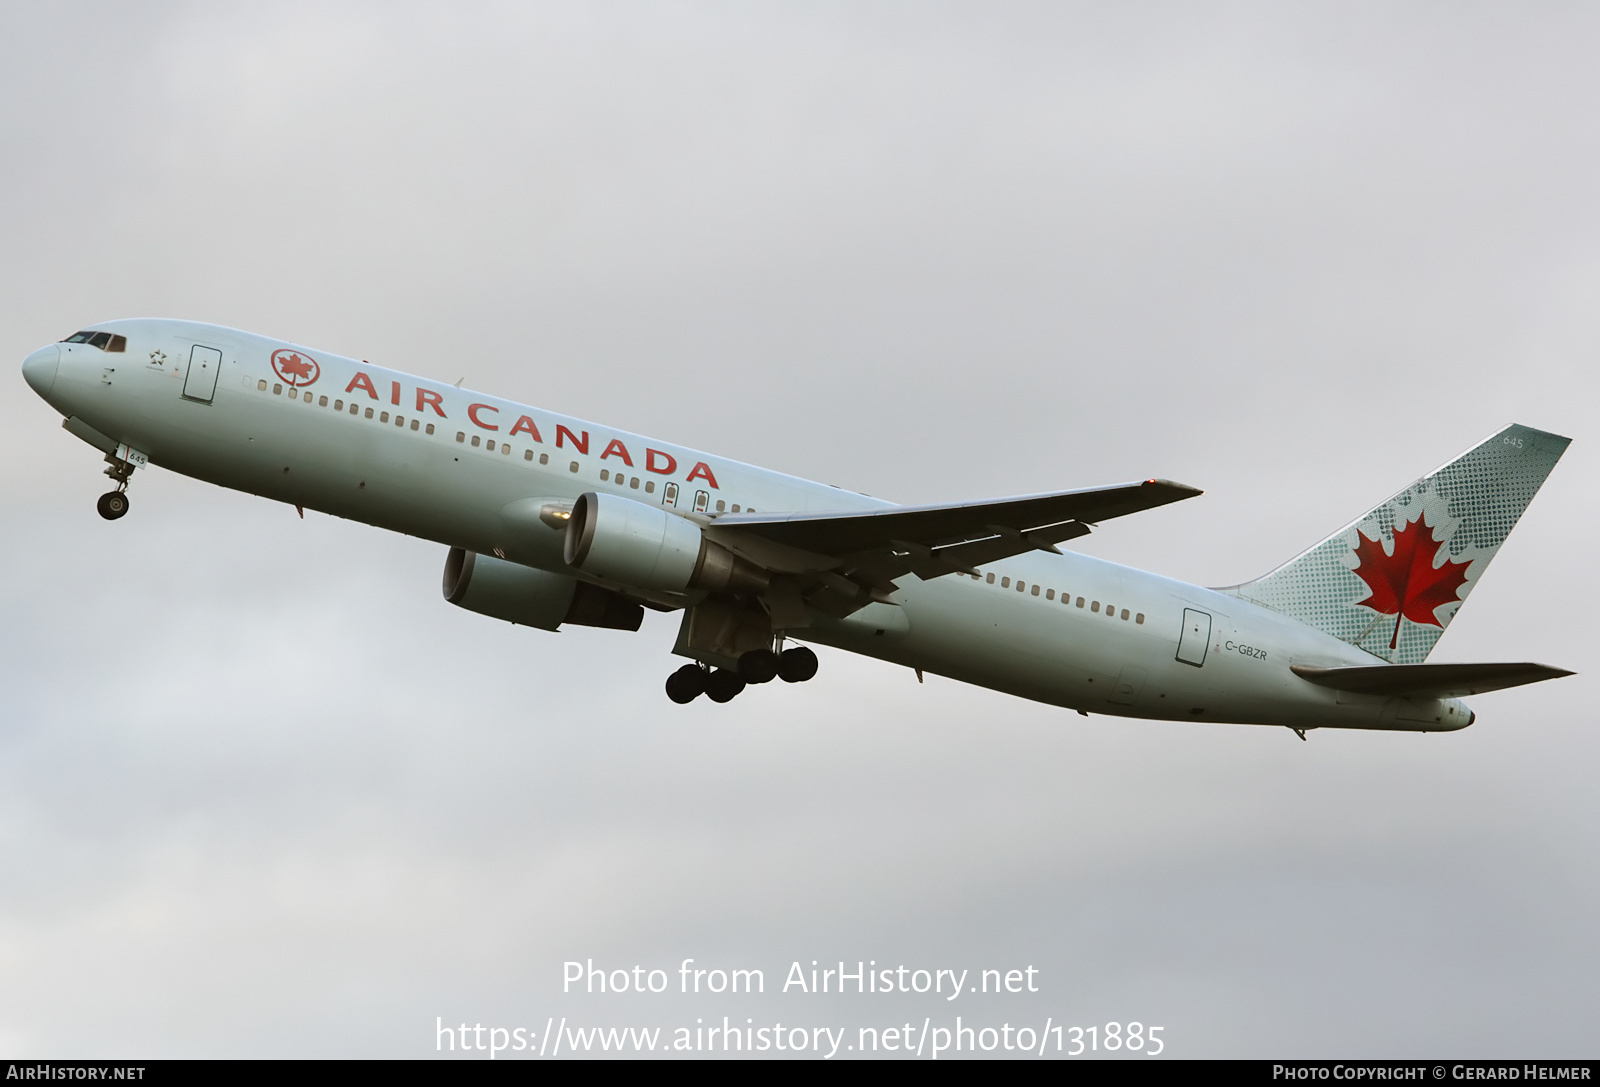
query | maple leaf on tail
(1406,584)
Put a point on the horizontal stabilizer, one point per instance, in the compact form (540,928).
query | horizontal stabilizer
(1428,680)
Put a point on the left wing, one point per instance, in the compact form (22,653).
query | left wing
(854,556)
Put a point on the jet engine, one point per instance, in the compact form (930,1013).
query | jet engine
(534,598)
(638,544)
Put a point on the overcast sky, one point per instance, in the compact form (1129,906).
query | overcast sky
(263,792)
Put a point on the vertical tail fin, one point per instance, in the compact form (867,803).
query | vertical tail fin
(1391,581)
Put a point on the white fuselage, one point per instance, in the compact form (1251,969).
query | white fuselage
(438,462)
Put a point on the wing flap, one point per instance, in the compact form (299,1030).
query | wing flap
(1428,680)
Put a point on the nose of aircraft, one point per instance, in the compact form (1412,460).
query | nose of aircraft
(39,369)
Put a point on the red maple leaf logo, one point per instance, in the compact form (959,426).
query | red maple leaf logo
(1406,584)
(295,368)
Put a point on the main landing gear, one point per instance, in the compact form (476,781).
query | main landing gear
(757,666)
(114,504)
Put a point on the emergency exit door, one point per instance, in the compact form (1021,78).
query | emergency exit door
(201,381)
(1196,637)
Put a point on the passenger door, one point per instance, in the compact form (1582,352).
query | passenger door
(201,381)
(1196,637)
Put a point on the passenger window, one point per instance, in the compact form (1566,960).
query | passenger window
(262,385)
(544,458)
(1005,583)
(505,450)
(460,436)
(399,420)
(1036,590)
(736,507)
(649,486)
(1124,613)
(1021,587)
(1095,606)
(721,505)
(1049,594)
(1139,618)
(429,430)
(322,401)
(573,467)
(989,578)
(415,424)
(277,390)
(476,440)
(527,454)
(338,405)
(294,394)
(355,409)
(702,500)
(633,484)
(369,413)
(490,445)
(605,474)
(1080,601)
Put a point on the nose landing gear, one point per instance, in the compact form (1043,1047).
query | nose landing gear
(114,504)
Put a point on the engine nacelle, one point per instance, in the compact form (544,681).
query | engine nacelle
(638,544)
(534,598)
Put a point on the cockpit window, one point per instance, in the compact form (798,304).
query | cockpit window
(103,340)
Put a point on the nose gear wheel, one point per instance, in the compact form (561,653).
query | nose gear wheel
(112,504)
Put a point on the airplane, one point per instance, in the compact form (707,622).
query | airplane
(553,521)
